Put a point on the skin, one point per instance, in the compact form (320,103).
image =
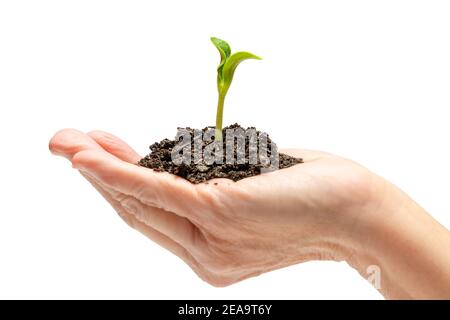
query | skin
(328,208)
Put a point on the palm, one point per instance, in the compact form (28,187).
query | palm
(320,186)
(223,230)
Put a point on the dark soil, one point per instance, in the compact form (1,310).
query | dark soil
(160,160)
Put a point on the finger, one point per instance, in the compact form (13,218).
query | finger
(178,228)
(154,235)
(68,142)
(115,146)
(161,239)
(157,189)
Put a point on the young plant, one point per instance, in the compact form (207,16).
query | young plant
(225,72)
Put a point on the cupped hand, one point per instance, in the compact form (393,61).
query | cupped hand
(227,231)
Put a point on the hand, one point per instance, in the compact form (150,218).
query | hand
(326,208)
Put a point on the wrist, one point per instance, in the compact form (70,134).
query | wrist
(399,247)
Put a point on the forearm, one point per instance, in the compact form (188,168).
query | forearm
(410,249)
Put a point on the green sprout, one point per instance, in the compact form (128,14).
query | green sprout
(225,72)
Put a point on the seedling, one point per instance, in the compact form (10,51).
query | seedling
(251,148)
(225,72)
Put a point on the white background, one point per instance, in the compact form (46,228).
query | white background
(368,80)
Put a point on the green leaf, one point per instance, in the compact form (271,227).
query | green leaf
(222,46)
(225,73)
(224,50)
(231,64)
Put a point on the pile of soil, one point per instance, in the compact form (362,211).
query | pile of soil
(160,160)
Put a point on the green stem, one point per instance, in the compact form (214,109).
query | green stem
(219,117)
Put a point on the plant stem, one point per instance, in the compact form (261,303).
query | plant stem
(219,117)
